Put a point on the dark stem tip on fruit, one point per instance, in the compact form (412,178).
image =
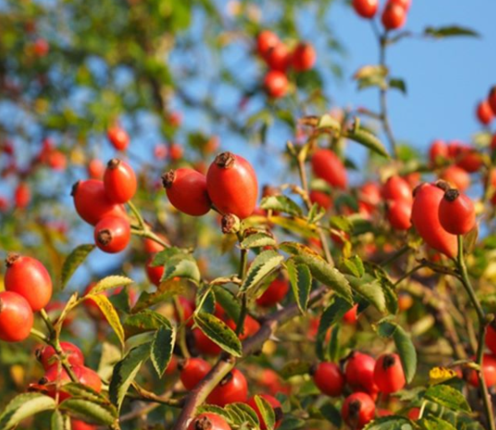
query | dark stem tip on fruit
(11,259)
(389,361)
(416,189)
(43,381)
(182,364)
(37,353)
(269,191)
(279,414)
(74,188)
(313,369)
(203,423)
(443,185)
(452,194)
(104,237)
(226,379)
(225,160)
(168,178)
(354,409)
(113,163)
(227,223)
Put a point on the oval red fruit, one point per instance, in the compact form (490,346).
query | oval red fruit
(118,137)
(397,188)
(233,388)
(358,410)
(399,214)
(209,421)
(119,181)
(112,234)
(491,99)
(16,317)
(81,425)
(275,84)
(48,357)
(438,152)
(488,370)
(276,291)
(278,57)
(491,339)
(393,16)
(456,212)
(193,370)
(327,166)
(266,40)
(324,200)
(329,379)
(366,8)
(304,57)
(456,176)
(359,373)
(484,113)
(388,373)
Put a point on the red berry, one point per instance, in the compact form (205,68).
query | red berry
(324,200)
(250,327)
(204,345)
(366,8)
(172,366)
(276,84)
(456,212)
(233,388)
(16,317)
(388,373)
(187,191)
(414,414)
(96,169)
(425,219)
(369,196)
(359,373)
(491,100)
(438,152)
(276,405)
(119,181)
(358,410)
(41,47)
(54,378)
(209,421)
(403,3)
(57,160)
(92,203)
(393,16)
(29,278)
(112,234)
(399,213)
(176,152)
(266,40)
(469,159)
(154,273)
(81,425)
(329,379)
(22,195)
(491,339)
(488,370)
(304,57)
(350,317)
(277,290)
(484,113)
(456,176)
(118,137)
(278,57)
(397,188)
(47,356)
(88,377)
(232,185)
(327,166)
(193,370)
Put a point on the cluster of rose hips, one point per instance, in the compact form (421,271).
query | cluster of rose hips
(486,109)
(279,59)
(393,15)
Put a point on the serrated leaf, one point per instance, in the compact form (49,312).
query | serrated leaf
(334,344)
(369,71)
(147,320)
(327,122)
(263,265)
(109,312)
(75,389)
(450,31)
(294,368)
(331,414)
(24,406)
(218,331)
(300,279)
(354,265)
(266,412)
(371,290)
(125,371)
(392,422)
(228,302)
(216,410)
(448,397)
(60,421)
(73,261)
(316,213)
(181,266)
(340,222)
(257,240)
(92,412)
(243,413)
(404,345)
(111,282)
(162,257)
(281,204)
(366,139)
(436,423)
(320,269)
(398,84)
(162,347)
(165,291)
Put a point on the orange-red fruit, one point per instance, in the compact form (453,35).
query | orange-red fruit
(359,373)
(48,357)
(16,317)
(491,339)
(366,8)
(358,410)
(397,188)
(119,181)
(29,278)
(329,379)
(327,166)
(187,191)
(266,40)
(488,370)
(81,425)
(324,200)
(204,345)
(484,113)
(393,16)
(350,317)
(56,376)
(276,405)
(276,291)
(425,218)
(403,3)
(456,176)
(112,234)
(369,196)
(438,152)
(154,273)
(275,84)
(491,99)
(388,373)
(118,137)
(96,169)
(233,388)
(232,185)
(414,414)
(399,213)
(304,57)
(278,57)
(193,370)
(209,421)
(456,212)
(92,203)
(22,195)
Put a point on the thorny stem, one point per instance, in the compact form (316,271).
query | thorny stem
(462,268)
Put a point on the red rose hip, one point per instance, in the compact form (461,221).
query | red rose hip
(358,410)
(304,57)
(119,181)
(327,166)
(48,357)
(329,379)
(456,212)
(366,8)
(393,16)
(112,234)
(388,374)
(209,421)
(16,317)
(276,84)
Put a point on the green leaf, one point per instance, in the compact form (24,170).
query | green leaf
(334,344)
(60,421)
(177,263)
(301,283)
(216,410)
(24,406)
(266,411)
(294,368)
(146,320)
(281,204)
(450,31)
(217,331)
(73,261)
(111,282)
(227,301)
(75,389)
(263,265)
(257,240)
(165,291)
(448,397)
(340,222)
(435,423)
(92,412)
(367,139)
(316,213)
(328,123)
(162,347)
(398,84)
(162,257)
(404,345)
(125,371)
(241,413)
(371,76)
(331,414)
(392,422)
(370,289)
(354,265)
(320,269)
(109,312)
